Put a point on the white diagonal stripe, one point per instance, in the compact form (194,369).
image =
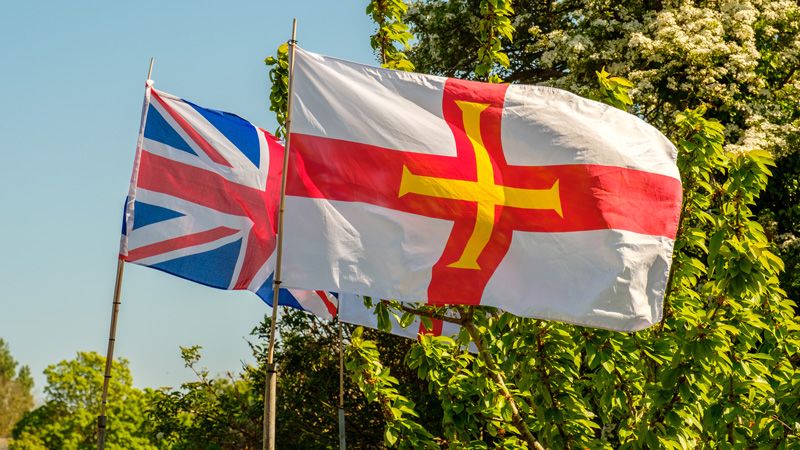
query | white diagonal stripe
(187,251)
(243,171)
(196,219)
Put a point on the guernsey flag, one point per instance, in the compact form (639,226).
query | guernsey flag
(526,198)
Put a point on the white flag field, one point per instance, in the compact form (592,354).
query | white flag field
(526,198)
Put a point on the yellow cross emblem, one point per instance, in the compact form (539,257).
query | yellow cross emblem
(484,191)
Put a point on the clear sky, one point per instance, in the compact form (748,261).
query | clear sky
(71,84)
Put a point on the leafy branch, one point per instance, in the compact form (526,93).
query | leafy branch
(279,90)
(377,384)
(494,26)
(391,33)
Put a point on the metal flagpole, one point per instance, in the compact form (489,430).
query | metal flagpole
(270,387)
(342,440)
(112,333)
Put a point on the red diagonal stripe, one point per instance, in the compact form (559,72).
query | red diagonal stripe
(328,304)
(214,191)
(196,137)
(261,241)
(178,243)
(200,186)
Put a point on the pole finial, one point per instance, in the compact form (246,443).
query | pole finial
(150,71)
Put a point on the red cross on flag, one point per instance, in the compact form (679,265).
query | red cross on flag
(526,198)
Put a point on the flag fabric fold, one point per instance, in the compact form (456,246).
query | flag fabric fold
(526,198)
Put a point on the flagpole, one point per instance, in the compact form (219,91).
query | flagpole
(342,439)
(270,388)
(101,419)
(112,332)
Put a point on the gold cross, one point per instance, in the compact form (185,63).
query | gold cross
(484,191)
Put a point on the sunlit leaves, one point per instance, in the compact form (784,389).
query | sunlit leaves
(494,27)
(378,385)
(279,90)
(68,416)
(614,90)
(391,39)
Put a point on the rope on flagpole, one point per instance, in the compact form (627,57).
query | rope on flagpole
(271,382)
(112,333)
(342,439)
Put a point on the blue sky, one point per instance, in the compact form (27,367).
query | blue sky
(71,86)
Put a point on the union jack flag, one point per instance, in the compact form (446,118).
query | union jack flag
(203,201)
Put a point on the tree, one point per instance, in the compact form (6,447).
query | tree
(779,211)
(68,418)
(15,390)
(740,59)
(226,413)
(309,385)
(721,369)
(220,413)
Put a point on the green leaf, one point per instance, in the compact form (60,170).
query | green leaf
(427,322)
(407,319)
(714,245)
(390,437)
